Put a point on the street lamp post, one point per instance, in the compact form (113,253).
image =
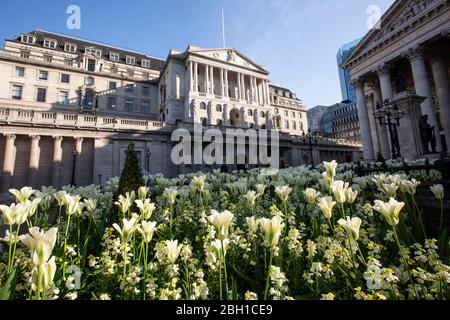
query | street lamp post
(310,139)
(148,155)
(74,164)
(389,115)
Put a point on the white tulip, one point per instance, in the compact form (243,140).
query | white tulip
(125,203)
(14,214)
(90,205)
(220,247)
(390,210)
(283,192)
(146,208)
(352,226)
(260,189)
(43,275)
(409,187)
(438,191)
(143,193)
(221,222)
(171,195)
(251,198)
(339,189)
(172,251)
(147,229)
(311,195)
(59,197)
(23,194)
(271,230)
(199,183)
(351,195)
(129,227)
(326,204)
(330,168)
(40,244)
(13,239)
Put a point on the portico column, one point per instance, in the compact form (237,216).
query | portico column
(195,76)
(267,91)
(190,77)
(239,87)
(442,84)
(244,92)
(423,89)
(206,79)
(57,159)
(264,94)
(384,75)
(8,162)
(364,120)
(211,79)
(252,89)
(226,84)
(33,165)
(222,84)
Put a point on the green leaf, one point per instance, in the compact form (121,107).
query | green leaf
(7,291)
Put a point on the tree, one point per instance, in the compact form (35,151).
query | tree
(131,178)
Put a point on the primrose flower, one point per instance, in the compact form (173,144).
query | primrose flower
(390,210)
(146,208)
(271,230)
(251,198)
(221,221)
(311,195)
(143,193)
(438,191)
(339,189)
(23,194)
(283,192)
(326,204)
(171,195)
(329,296)
(351,225)
(40,244)
(129,227)
(146,229)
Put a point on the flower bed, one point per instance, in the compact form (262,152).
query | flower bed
(299,234)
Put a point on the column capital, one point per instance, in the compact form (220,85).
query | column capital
(358,82)
(79,139)
(58,138)
(384,69)
(35,137)
(414,53)
(10,136)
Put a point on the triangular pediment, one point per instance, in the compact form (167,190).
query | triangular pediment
(397,17)
(231,56)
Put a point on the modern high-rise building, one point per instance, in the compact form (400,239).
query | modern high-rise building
(347,89)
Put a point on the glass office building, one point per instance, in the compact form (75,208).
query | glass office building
(347,89)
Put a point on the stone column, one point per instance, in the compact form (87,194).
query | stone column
(267,91)
(227,86)
(57,159)
(211,79)
(264,93)
(222,83)
(191,76)
(423,89)
(33,165)
(195,76)
(244,95)
(206,79)
(252,89)
(442,84)
(364,120)
(384,92)
(8,162)
(239,97)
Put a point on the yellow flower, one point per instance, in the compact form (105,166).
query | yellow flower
(390,210)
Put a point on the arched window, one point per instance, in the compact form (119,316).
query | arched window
(203,106)
(250,113)
(277,111)
(90,81)
(219,108)
(263,114)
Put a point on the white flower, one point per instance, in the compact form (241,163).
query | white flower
(339,189)
(40,244)
(143,193)
(251,296)
(311,195)
(125,203)
(328,296)
(326,204)
(14,214)
(129,227)
(271,230)
(390,210)
(351,195)
(23,194)
(146,208)
(283,192)
(172,251)
(438,191)
(73,204)
(171,195)
(13,239)
(221,222)
(199,183)
(260,189)
(90,205)
(147,229)
(220,247)
(251,198)
(409,187)
(43,274)
(59,197)
(351,226)
(252,224)
(105,296)
(330,168)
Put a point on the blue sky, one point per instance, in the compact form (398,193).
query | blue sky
(297,40)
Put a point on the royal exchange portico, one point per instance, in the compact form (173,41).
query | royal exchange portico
(406,61)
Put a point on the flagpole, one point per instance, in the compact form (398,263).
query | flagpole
(223,29)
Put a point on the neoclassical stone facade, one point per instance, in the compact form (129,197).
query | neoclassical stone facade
(406,61)
(69,108)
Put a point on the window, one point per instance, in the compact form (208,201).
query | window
(203,106)
(219,108)
(277,111)
(145,63)
(130,73)
(263,114)
(293,114)
(93,51)
(91,63)
(111,103)
(17,92)
(145,106)
(286,113)
(63,97)
(114,57)
(294,125)
(300,115)
(204,121)
(65,78)
(129,105)
(19,72)
(68,47)
(41,95)
(131,60)
(90,81)
(43,75)
(68,62)
(250,113)
(112,85)
(114,70)
(50,43)
(129,88)
(145,91)
(48,58)
(25,54)
(28,39)
(287,124)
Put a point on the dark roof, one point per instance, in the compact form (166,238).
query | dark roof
(155,63)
